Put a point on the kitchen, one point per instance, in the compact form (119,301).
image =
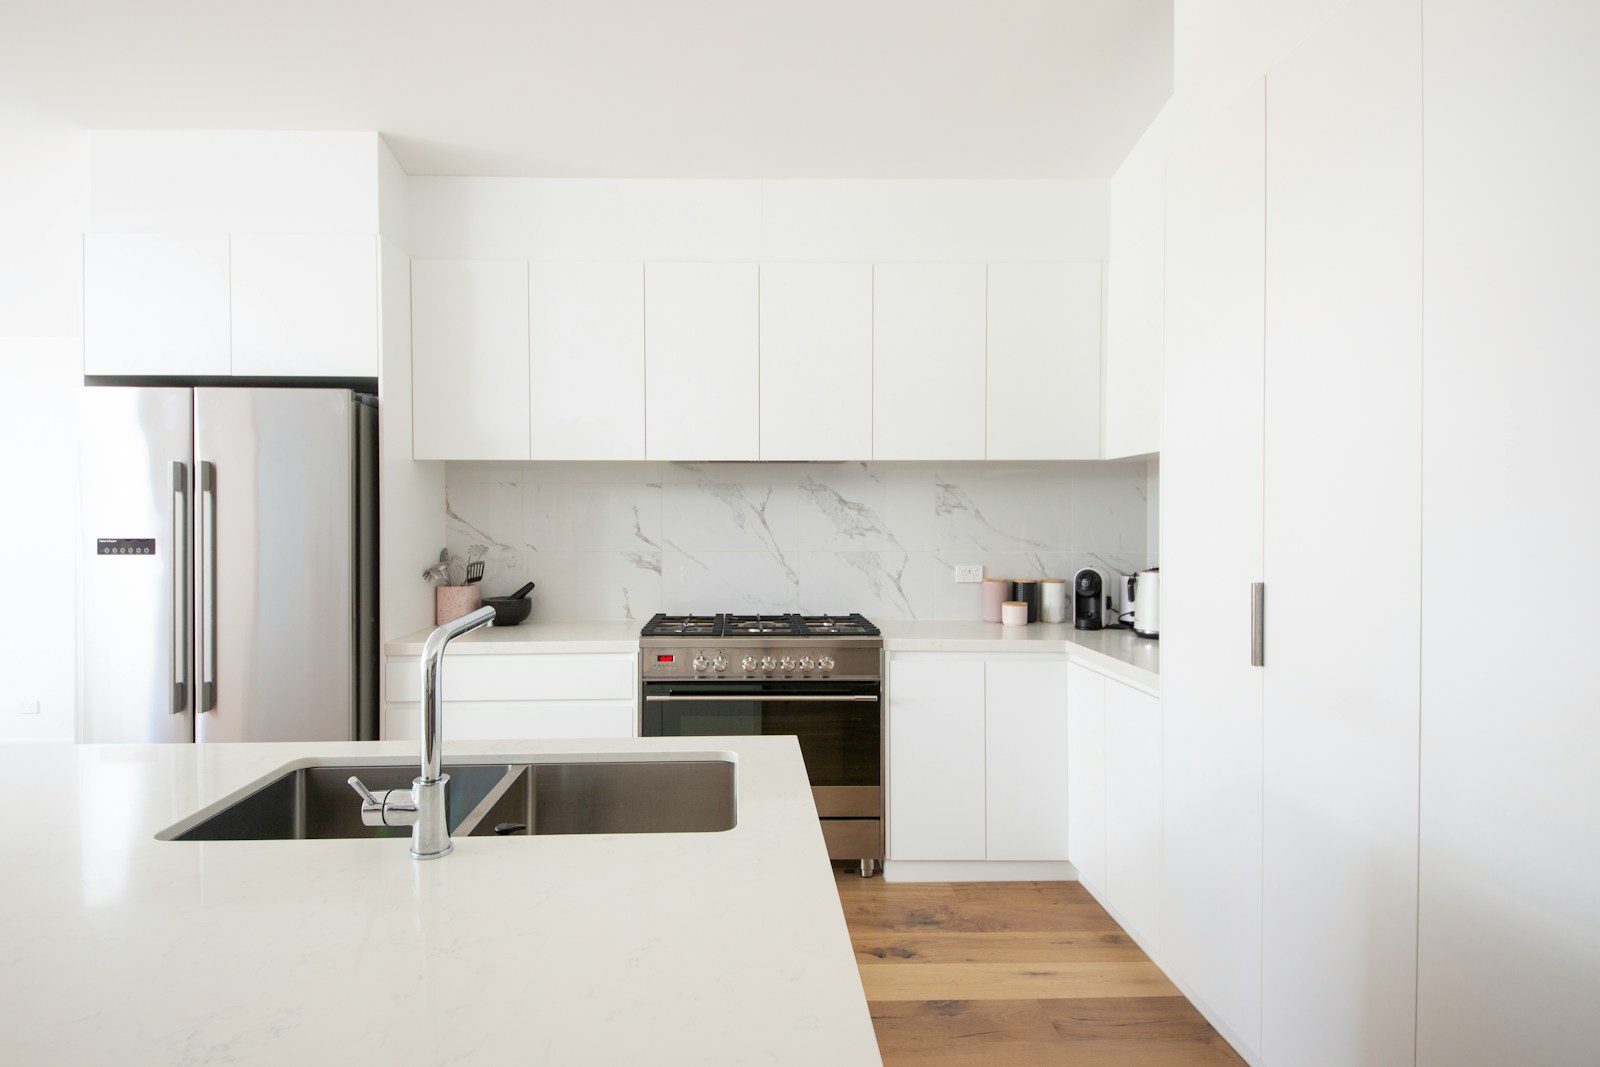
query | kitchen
(1290,301)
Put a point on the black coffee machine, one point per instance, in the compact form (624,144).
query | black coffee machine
(1088,598)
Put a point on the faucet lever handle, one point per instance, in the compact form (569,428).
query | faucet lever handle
(366,794)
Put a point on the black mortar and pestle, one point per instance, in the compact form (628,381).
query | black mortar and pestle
(513,609)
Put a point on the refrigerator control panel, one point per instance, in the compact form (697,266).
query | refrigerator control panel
(125,546)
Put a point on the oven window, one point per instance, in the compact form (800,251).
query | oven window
(840,741)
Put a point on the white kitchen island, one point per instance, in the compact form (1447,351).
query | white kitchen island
(708,948)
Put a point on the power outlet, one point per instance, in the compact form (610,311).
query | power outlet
(27,707)
(969,574)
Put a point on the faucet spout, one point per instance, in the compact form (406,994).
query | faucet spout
(422,807)
(432,696)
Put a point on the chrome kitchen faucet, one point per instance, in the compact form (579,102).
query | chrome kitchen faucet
(422,807)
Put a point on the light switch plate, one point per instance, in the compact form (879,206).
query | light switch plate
(27,707)
(969,574)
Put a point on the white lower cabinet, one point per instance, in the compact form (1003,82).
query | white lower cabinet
(1133,809)
(1025,734)
(977,757)
(1086,775)
(517,697)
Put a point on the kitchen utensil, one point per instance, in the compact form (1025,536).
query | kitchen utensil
(474,573)
(509,610)
(1147,603)
(520,593)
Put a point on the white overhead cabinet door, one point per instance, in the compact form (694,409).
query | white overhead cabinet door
(469,359)
(155,304)
(586,374)
(816,361)
(1343,337)
(928,378)
(702,361)
(1043,361)
(305,306)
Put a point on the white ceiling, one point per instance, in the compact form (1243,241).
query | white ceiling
(623,88)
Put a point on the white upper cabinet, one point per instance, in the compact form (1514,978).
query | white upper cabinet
(305,305)
(928,376)
(586,370)
(1025,754)
(702,363)
(155,304)
(1043,361)
(816,361)
(469,359)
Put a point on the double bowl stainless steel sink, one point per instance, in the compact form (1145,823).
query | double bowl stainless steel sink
(313,800)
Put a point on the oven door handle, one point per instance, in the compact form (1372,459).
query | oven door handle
(773,698)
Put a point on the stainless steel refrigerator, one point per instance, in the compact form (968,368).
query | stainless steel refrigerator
(230,564)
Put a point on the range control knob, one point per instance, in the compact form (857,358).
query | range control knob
(719,663)
(699,663)
(805,663)
(824,663)
(786,664)
(747,664)
(768,663)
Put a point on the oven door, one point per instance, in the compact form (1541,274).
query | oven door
(839,726)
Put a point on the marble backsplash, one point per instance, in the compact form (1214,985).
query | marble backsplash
(626,540)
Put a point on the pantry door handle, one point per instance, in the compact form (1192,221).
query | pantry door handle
(1258,624)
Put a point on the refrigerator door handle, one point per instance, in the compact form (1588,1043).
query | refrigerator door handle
(208,585)
(182,609)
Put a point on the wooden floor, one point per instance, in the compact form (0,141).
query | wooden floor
(1013,974)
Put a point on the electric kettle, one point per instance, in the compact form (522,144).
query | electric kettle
(1146,591)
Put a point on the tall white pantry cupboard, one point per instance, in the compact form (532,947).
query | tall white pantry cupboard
(1383,845)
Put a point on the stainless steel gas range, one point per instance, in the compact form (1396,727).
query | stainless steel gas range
(816,677)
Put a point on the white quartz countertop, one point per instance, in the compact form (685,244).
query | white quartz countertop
(531,637)
(717,948)
(1121,654)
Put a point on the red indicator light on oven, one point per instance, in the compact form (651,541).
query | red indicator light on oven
(663,659)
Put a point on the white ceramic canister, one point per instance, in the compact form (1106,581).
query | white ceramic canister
(1014,613)
(1053,600)
(996,591)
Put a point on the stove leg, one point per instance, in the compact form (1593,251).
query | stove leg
(867,867)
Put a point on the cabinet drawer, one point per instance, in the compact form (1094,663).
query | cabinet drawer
(519,678)
(517,720)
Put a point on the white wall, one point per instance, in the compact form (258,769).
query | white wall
(43,207)
(550,220)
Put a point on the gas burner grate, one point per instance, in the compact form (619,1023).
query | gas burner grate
(788,625)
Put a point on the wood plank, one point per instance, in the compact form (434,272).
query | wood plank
(994,946)
(1015,973)
(1007,981)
